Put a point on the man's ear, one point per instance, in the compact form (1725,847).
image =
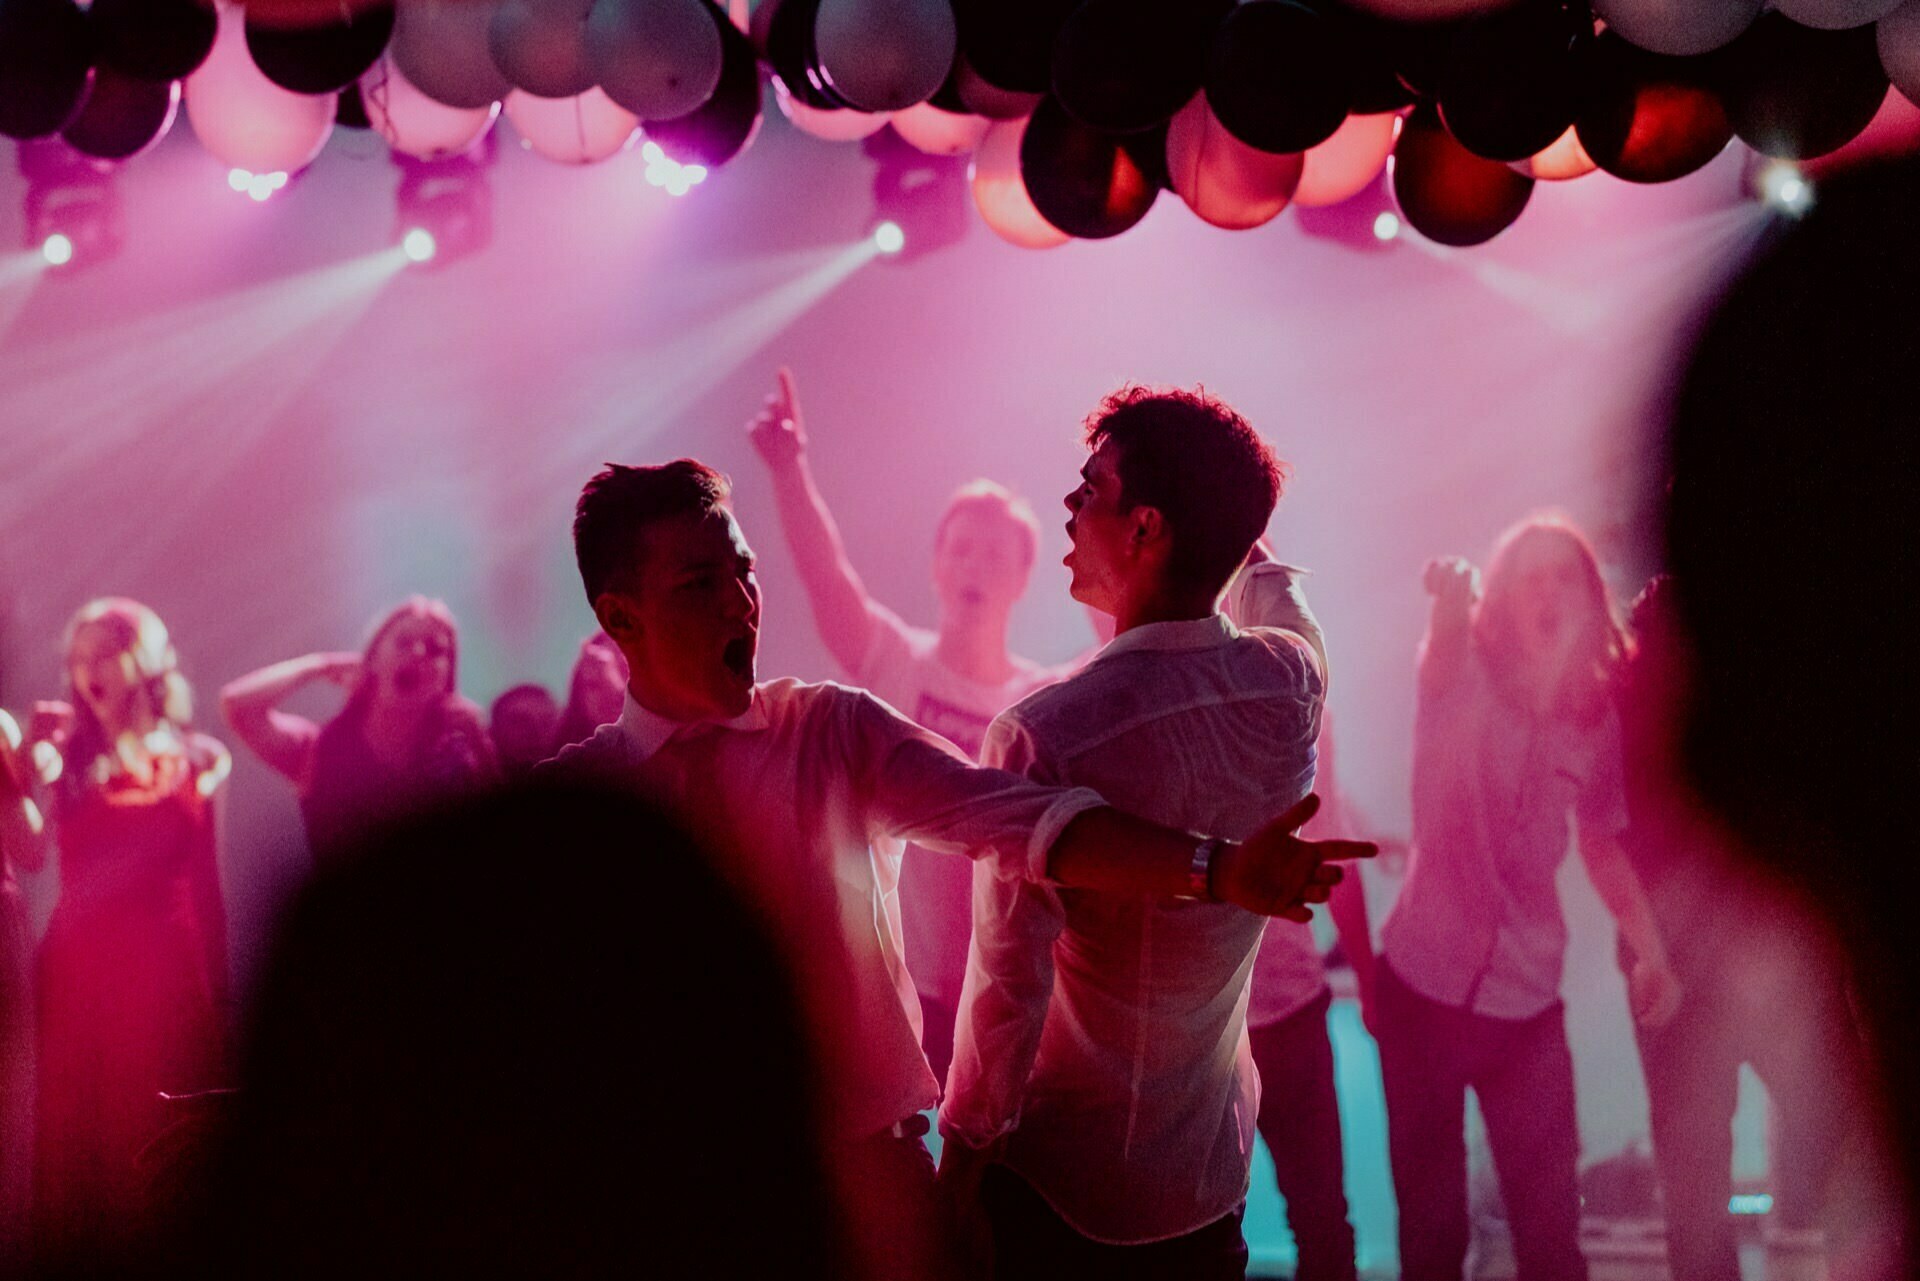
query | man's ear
(1146,528)
(618,618)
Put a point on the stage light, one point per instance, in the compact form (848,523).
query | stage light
(922,203)
(1783,188)
(666,172)
(73,215)
(888,238)
(1749,1203)
(1367,221)
(238,179)
(1386,227)
(443,209)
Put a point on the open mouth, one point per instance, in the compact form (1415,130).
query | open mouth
(738,656)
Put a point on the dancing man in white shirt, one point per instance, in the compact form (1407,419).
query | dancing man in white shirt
(803,794)
(1102,1099)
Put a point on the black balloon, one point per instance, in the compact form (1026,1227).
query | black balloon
(46,52)
(1279,77)
(153,39)
(324,58)
(1512,82)
(721,129)
(1795,92)
(1650,118)
(1148,151)
(788,27)
(351,111)
(1124,65)
(1081,180)
(1009,43)
(1448,194)
(123,115)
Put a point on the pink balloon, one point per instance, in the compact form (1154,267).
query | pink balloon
(1226,182)
(1344,165)
(1563,159)
(244,119)
(940,133)
(1000,193)
(414,124)
(828,126)
(580,130)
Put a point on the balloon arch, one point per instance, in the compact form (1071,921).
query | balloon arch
(1077,113)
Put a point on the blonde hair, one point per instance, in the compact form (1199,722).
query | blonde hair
(993,498)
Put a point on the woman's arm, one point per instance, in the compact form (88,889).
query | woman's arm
(1653,989)
(23,829)
(1454,584)
(284,741)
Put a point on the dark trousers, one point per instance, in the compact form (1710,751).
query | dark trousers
(895,1221)
(937,1021)
(1803,1045)
(1300,1120)
(1033,1243)
(1521,1070)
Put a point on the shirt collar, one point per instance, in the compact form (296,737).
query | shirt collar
(648,731)
(1186,633)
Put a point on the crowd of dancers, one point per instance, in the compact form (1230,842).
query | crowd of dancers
(1063,908)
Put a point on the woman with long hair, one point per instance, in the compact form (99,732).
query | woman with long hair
(131,977)
(596,690)
(1515,735)
(404,735)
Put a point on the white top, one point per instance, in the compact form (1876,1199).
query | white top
(902,666)
(1104,1036)
(1289,973)
(804,802)
(1478,923)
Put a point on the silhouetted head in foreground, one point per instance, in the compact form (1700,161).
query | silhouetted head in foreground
(530,1036)
(1791,537)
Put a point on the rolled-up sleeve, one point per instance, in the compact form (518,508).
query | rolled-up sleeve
(1008,988)
(923,789)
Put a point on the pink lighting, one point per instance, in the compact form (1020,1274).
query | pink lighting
(664,171)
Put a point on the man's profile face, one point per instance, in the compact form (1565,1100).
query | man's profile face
(981,562)
(1100,559)
(688,619)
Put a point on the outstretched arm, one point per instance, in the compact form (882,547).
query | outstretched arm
(282,740)
(834,591)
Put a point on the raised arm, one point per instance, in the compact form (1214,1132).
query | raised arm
(834,591)
(1454,584)
(281,739)
(23,829)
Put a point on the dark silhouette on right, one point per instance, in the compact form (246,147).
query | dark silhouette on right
(1789,533)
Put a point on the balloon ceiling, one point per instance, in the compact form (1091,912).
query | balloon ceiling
(1078,114)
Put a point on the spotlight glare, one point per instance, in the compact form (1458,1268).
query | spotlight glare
(57,250)
(238,179)
(1786,189)
(888,238)
(260,186)
(418,245)
(1386,227)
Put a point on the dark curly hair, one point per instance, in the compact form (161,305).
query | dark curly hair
(1193,458)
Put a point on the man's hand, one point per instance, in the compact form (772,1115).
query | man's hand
(1275,873)
(1452,580)
(961,1170)
(1654,993)
(779,433)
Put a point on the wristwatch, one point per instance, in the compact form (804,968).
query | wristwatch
(1200,870)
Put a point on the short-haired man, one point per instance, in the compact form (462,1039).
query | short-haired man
(1102,1099)
(802,793)
(953,679)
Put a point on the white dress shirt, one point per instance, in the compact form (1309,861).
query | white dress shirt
(1103,1037)
(805,802)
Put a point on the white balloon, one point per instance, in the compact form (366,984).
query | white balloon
(414,124)
(1836,15)
(574,131)
(1899,35)
(940,133)
(1000,193)
(883,55)
(244,119)
(1561,160)
(659,59)
(828,126)
(441,47)
(1679,27)
(1341,167)
(1222,179)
